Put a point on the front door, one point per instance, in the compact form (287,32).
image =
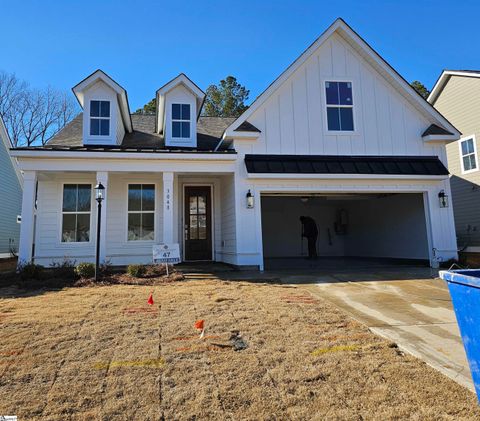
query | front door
(198,230)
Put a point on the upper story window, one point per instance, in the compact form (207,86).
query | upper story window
(141,212)
(468,154)
(76,208)
(339,99)
(100,118)
(181,120)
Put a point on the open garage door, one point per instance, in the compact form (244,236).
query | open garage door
(360,230)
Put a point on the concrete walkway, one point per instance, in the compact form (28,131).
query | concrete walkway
(417,314)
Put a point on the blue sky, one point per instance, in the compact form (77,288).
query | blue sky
(143,44)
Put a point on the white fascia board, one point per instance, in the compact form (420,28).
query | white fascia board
(437,138)
(349,35)
(83,155)
(232,134)
(8,145)
(79,89)
(213,167)
(270,176)
(442,81)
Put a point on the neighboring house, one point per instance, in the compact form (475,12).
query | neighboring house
(456,95)
(339,136)
(10,197)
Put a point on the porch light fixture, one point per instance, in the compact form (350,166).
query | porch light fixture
(250,200)
(443,199)
(99,196)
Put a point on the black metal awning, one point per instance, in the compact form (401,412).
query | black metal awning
(341,164)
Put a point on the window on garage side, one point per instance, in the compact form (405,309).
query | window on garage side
(141,212)
(468,154)
(339,100)
(76,210)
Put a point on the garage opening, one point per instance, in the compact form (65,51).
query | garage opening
(360,230)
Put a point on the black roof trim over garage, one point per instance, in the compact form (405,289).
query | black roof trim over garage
(338,164)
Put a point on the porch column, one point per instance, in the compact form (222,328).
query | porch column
(168,207)
(102,177)
(28,217)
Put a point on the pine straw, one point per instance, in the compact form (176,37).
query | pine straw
(102,353)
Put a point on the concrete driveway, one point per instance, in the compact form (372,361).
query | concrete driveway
(406,306)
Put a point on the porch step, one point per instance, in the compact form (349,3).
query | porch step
(202,276)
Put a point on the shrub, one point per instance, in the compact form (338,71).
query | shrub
(65,269)
(85,270)
(136,271)
(106,268)
(29,271)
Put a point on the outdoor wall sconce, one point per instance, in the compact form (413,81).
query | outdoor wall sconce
(443,199)
(250,200)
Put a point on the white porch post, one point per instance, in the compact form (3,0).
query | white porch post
(168,207)
(102,177)
(28,217)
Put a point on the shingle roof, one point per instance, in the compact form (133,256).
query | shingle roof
(330,164)
(209,133)
(433,129)
(247,127)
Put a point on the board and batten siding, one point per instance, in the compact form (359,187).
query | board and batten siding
(11,203)
(459,102)
(293,119)
(228,246)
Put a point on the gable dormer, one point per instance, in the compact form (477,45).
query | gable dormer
(106,114)
(179,103)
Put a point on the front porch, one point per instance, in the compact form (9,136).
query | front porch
(140,209)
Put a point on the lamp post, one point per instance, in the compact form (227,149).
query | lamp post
(99,196)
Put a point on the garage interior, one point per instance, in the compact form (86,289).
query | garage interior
(359,230)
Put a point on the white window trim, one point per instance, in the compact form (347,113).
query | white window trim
(474,153)
(189,121)
(101,136)
(68,243)
(325,106)
(154,212)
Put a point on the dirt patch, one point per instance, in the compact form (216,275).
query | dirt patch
(104,353)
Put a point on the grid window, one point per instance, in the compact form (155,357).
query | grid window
(339,99)
(181,120)
(468,155)
(76,209)
(141,212)
(100,118)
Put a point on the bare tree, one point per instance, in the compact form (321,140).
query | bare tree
(33,116)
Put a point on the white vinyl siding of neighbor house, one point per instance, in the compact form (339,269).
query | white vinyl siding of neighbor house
(460,103)
(293,119)
(11,203)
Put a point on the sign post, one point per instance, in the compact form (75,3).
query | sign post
(166,253)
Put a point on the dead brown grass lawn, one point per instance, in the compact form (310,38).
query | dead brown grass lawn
(101,353)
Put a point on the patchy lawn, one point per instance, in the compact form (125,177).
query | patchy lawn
(102,352)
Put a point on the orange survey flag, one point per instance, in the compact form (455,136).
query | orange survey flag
(199,324)
(150,299)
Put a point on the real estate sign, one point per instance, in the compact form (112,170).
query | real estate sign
(166,253)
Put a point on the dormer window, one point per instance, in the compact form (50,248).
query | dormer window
(181,120)
(100,118)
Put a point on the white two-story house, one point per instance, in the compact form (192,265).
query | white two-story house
(339,136)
